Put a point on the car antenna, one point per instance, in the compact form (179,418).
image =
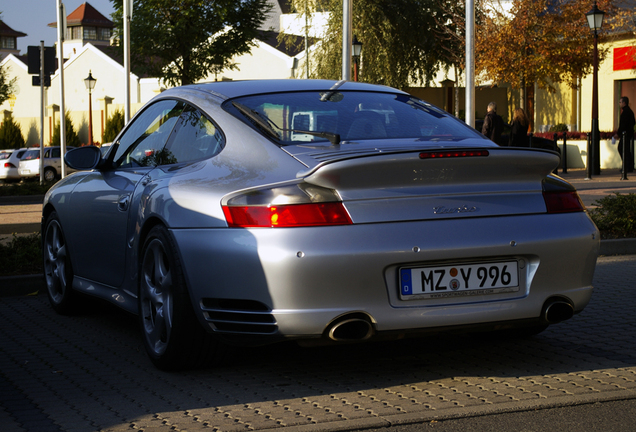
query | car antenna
(327,95)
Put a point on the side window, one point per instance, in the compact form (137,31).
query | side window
(195,137)
(142,144)
(56,152)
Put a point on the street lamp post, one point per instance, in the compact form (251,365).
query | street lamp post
(595,21)
(356,49)
(90,85)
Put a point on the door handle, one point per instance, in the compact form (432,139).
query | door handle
(122,204)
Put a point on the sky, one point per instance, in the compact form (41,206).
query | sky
(33,16)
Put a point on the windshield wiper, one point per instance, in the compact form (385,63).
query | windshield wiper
(258,118)
(270,127)
(333,138)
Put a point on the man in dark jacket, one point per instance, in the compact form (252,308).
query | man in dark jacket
(626,124)
(493,123)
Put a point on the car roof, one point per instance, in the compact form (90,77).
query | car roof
(232,89)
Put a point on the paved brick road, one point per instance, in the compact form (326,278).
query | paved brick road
(90,373)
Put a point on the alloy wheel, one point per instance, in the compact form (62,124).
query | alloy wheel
(156,297)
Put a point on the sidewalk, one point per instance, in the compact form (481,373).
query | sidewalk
(20,215)
(607,183)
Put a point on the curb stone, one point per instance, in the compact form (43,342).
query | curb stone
(625,246)
(21,285)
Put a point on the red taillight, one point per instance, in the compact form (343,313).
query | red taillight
(9,165)
(281,216)
(453,153)
(563,202)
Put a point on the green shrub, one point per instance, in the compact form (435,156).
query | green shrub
(11,135)
(25,188)
(615,216)
(21,255)
(72,139)
(114,125)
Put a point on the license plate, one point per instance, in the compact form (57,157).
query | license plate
(459,280)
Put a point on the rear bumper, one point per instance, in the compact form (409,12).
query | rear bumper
(26,173)
(9,174)
(305,278)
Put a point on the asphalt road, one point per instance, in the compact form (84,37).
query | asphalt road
(90,373)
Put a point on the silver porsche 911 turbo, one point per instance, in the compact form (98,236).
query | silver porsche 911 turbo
(260,211)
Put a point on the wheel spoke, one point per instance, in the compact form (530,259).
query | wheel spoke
(60,263)
(156,335)
(161,270)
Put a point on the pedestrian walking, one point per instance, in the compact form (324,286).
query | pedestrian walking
(493,123)
(519,129)
(626,124)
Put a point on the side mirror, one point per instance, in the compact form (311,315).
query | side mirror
(83,158)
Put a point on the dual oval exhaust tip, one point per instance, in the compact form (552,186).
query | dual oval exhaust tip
(557,310)
(351,328)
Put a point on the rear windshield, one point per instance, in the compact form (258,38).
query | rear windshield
(31,154)
(351,115)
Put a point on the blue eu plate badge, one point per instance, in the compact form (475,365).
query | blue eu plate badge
(405,279)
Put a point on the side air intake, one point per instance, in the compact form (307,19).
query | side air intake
(239,316)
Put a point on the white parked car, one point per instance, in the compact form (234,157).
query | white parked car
(30,163)
(9,161)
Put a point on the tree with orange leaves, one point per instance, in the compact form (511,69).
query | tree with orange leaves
(541,41)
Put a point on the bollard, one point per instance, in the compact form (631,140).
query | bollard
(624,156)
(555,145)
(631,155)
(588,162)
(564,157)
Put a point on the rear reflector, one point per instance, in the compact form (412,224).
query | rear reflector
(563,202)
(453,153)
(285,216)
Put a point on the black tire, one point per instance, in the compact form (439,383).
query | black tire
(172,336)
(50,174)
(58,271)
